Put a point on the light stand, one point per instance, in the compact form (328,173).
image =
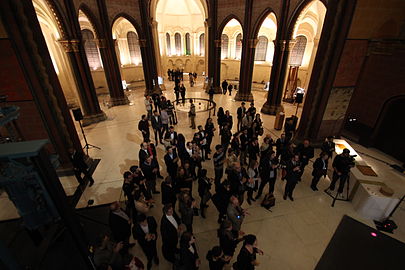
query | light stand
(87,146)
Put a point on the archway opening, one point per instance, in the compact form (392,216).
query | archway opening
(91,47)
(181,35)
(61,63)
(303,47)
(231,51)
(264,53)
(129,54)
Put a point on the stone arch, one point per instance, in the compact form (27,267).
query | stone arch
(225,22)
(131,20)
(92,19)
(260,20)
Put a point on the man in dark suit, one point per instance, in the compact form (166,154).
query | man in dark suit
(281,145)
(240,114)
(157,126)
(306,152)
(120,223)
(144,153)
(149,169)
(224,87)
(171,136)
(169,230)
(143,126)
(145,232)
(80,166)
(171,160)
(293,176)
(320,169)
(328,146)
(228,119)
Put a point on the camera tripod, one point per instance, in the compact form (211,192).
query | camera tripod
(335,197)
(87,146)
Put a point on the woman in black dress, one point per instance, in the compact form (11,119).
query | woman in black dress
(247,256)
(209,129)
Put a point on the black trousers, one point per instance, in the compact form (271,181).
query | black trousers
(219,172)
(289,188)
(150,252)
(270,181)
(315,180)
(146,136)
(158,135)
(342,178)
(169,250)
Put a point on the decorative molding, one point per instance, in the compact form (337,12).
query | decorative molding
(385,47)
(55,14)
(70,45)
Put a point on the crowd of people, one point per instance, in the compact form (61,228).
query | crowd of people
(243,168)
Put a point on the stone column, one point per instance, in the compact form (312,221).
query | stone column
(273,103)
(214,48)
(246,71)
(217,68)
(334,32)
(87,94)
(159,67)
(112,71)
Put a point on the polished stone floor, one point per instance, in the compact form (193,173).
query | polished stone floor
(293,236)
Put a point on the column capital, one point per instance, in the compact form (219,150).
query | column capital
(70,45)
(253,43)
(101,43)
(154,23)
(142,43)
(290,44)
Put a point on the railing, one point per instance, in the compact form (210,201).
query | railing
(211,106)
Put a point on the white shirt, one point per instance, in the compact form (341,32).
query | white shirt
(324,165)
(173,221)
(121,214)
(189,151)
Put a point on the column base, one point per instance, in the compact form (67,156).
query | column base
(243,96)
(94,118)
(119,101)
(271,109)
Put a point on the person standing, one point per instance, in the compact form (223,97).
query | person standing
(306,152)
(168,190)
(224,87)
(211,93)
(230,87)
(148,106)
(186,207)
(120,223)
(188,252)
(226,136)
(341,169)
(177,92)
(328,146)
(192,114)
(145,232)
(183,93)
(293,176)
(204,190)
(244,143)
(157,127)
(169,230)
(228,119)
(149,170)
(216,259)
(80,166)
(171,161)
(240,114)
(281,145)
(320,169)
(143,126)
(268,172)
(246,259)
(164,117)
(236,214)
(227,240)
(209,129)
(218,159)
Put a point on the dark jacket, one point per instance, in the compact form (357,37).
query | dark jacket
(293,176)
(139,234)
(143,126)
(241,112)
(171,165)
(204,186)
(265,167)
(187,258)
(306,153)
(215,265)
(142,155)
(318,168)
(119,226)
(156,124)
(187,213)
(244,260)
(168,231)
(228,242)
(328,147)
(167,137)
(168,193)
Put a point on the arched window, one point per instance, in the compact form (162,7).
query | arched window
(134,49)
(261,49)
(224,46)
(177,43)
(202,44)
(238,46)
(90,47)
(188,50)
(168,45)
(297,52)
